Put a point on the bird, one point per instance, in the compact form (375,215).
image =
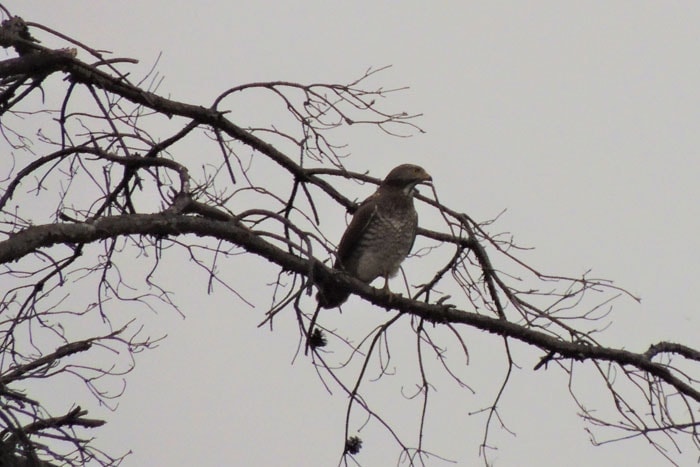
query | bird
(380,234)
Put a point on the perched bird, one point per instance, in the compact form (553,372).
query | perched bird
(380,235)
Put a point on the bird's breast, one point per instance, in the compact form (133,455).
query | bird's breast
(385,244)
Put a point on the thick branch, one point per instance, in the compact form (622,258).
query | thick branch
(50,61)
(34,238)
(46,360)
(72,418)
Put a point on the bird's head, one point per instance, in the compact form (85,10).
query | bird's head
(406,177)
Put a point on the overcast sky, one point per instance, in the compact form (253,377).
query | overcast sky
(581,120)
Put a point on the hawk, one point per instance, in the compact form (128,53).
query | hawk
(380,235)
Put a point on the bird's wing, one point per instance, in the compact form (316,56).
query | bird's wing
(359,223)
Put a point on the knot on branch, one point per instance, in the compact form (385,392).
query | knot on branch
(15,33)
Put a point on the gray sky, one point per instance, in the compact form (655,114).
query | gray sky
(580,120)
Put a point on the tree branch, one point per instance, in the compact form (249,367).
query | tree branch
(34,238)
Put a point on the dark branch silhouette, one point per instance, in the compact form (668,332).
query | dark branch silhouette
(104,169)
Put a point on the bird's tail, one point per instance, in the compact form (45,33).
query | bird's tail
(330,296)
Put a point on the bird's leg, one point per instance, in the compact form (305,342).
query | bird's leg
(386,290)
